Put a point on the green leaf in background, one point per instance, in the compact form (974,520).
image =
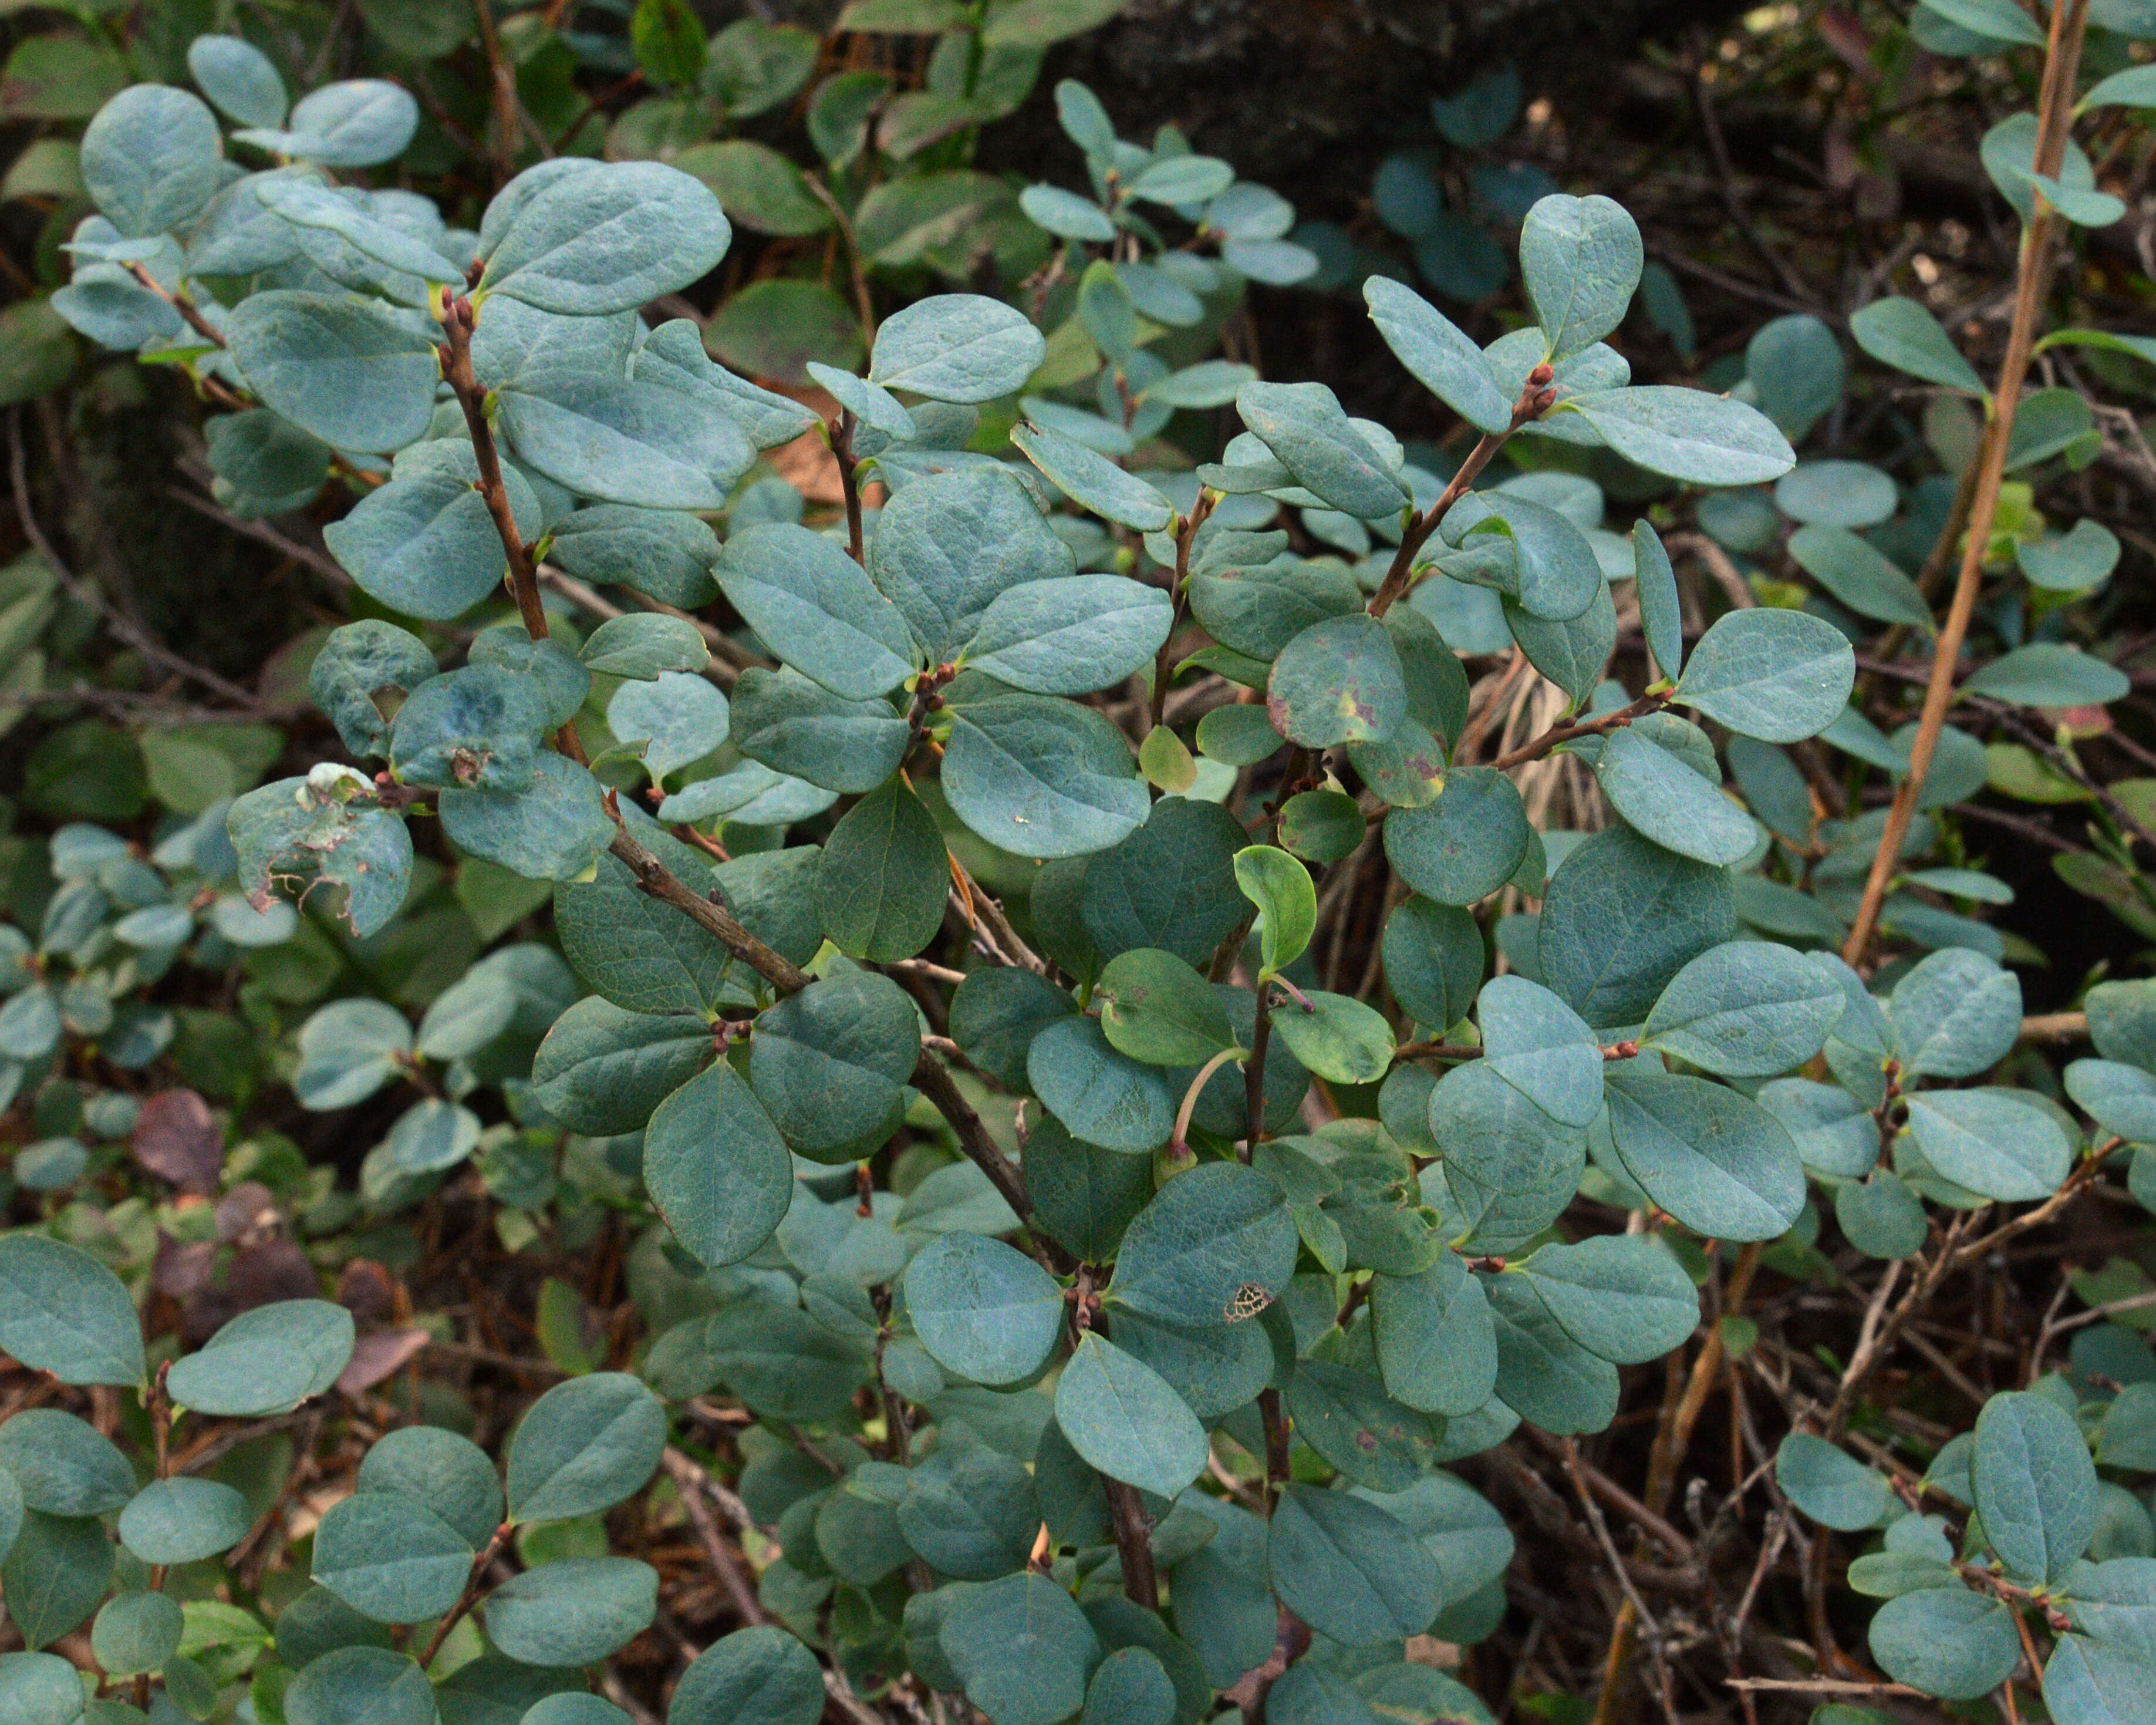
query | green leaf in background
(1831,1486)
(62,1312)
(1746,1009)
(239,79)
(668,41)
(266,1360)
(583,1447)
(609,237)
(1102,1096)
(2049,673)
(1777,676)
(1901,333)
(345,369)
(984,1310)
(717,1169)
(573,1612)
(390,1558)
(180,1520)
(1349,1570)
(1124,1419)
(360,1686)
(752,1676)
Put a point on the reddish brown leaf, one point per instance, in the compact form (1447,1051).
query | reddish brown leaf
(175,1138)
(377,1357)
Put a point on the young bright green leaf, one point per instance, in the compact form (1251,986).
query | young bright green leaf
(1159,1010)
(266,1360)
(584,1447)
(1287,901)
(1335,1036)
